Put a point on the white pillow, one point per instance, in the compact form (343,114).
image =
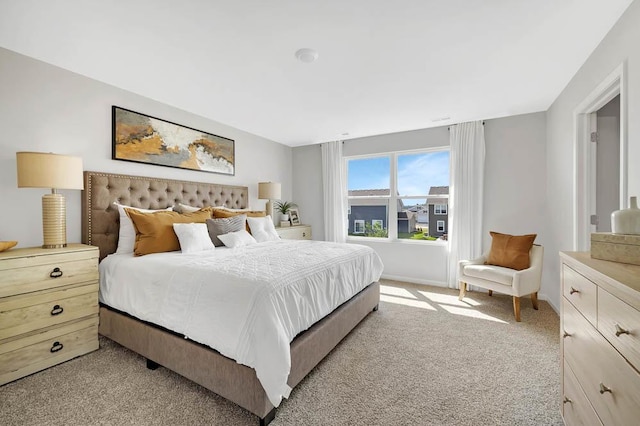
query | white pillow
(262,229)
(193,237)
(237,239)
(185,208)
(127,233)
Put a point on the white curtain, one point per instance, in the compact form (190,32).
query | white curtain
(333,189)
(465,194)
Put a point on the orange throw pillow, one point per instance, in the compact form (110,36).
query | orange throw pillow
(510,251)
(154,231)
(223,213)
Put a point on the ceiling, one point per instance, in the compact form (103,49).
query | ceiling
(383,66)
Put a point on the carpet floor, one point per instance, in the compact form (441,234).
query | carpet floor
(424,358)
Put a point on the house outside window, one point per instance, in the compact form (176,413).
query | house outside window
(388,194)
(438,211)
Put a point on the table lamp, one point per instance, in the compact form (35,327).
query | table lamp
(47,170)
(269,191)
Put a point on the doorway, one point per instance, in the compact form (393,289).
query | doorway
(600,168)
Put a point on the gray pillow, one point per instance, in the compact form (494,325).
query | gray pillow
(224,226)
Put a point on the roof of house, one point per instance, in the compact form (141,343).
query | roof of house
(438,190)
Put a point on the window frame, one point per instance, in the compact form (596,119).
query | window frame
(357,222)
(438,222)
(391,199)
(443,211)
(380,221)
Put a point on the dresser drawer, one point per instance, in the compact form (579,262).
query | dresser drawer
(581,292)
(42,276)
(576,408)
(21,357)
(620,324)
(598,367)
(33,311)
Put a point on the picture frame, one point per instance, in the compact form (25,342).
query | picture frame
(294,216)
(142,138)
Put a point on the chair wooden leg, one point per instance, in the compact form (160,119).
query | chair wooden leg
(490,292)
(516,307)
(534,300)
(463,290)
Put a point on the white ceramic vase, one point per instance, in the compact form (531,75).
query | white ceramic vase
(627,221)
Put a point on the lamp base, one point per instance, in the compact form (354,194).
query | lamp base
(54,221)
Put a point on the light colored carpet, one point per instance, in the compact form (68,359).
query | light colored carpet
(423,359)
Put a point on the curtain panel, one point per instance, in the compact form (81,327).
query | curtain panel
(467,157)
(334,196)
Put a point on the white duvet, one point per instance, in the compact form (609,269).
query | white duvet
(248,303)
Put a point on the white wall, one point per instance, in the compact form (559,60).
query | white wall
(45,108)
(619,46)
(514,195)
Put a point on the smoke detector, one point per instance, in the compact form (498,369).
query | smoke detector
(306,55)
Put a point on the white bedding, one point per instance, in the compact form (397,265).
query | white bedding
(248,303)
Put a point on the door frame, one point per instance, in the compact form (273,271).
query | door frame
(583,163)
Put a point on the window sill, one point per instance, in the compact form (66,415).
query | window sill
(354,239)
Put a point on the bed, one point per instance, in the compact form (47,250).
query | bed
(169,348)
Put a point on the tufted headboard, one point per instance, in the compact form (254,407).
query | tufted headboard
(100,219)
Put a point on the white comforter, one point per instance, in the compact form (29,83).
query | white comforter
(248,303)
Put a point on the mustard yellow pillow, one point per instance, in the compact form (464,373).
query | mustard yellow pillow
(510,251)
(223,213)
(154,231)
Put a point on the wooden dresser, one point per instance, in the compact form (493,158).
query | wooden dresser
(48,307)
(298,232)
(600,341)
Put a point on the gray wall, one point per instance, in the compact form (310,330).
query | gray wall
(619,46)
(514,198)
(46,108)
(608,163)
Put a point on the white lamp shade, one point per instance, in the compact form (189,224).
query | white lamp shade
(269,191)
(46,170)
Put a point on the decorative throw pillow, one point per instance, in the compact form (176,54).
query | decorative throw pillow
(127,233)
(510,251)
(237,239)
(262,229)
(154,231)
(225,225)
(184,208)
(222,213)
(193,237)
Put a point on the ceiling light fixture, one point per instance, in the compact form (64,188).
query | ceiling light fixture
(306,55)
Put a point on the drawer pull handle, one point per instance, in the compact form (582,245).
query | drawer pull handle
(565,334)
(57,310)
(57,346)
(565,400)
(604,389)
(620,330)
(573,290)
(56,273)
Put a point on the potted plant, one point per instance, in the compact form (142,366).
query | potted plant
(283,207)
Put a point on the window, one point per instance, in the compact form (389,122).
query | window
(440,209)
(389,195)
(440,226)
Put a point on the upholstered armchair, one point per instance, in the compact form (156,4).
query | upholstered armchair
(504,280)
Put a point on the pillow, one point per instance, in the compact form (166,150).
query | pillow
(237,239)
(222,213)
(225,225)
(184,208)
(510,251)
(127,233)
(262,229)
(193,237)
(154,231)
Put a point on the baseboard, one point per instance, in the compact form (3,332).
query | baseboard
(544,297)
(413,280)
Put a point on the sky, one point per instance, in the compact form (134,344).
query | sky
(416,172)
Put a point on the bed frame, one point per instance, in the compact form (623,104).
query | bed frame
(199,363)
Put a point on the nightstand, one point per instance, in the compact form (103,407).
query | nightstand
(48,307)
(298,232)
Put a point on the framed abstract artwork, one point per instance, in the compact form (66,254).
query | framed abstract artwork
(144,139)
